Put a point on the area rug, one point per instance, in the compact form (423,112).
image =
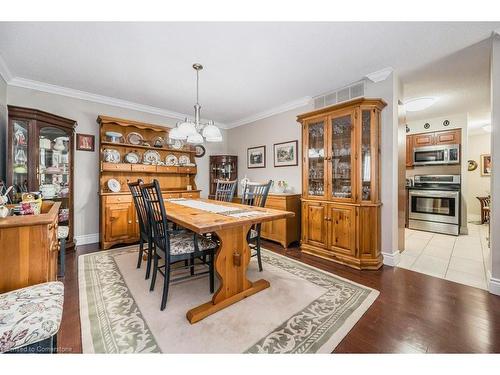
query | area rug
(306,310)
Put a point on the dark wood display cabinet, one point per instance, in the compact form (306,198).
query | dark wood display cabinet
(222,167)
(40,158)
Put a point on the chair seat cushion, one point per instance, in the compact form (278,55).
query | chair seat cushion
(62,232)
(30,314)
(183,243)
(253,233)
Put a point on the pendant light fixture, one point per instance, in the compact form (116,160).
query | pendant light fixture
(194,132)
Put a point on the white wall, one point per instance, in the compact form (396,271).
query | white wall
(282,127)
(3,127)
(477,185)
(87,163)
(436,124)
(494,282)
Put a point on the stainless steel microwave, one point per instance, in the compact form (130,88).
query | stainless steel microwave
(432,155)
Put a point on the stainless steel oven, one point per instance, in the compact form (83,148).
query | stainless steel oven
(434,204)
(432,155)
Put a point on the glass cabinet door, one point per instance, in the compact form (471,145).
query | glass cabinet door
(366,155)
(54,168)
(316,158)
(341,156)
(20,158)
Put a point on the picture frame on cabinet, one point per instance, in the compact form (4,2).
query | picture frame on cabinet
(486,165)
(256,157)
(285,154)
(85,142)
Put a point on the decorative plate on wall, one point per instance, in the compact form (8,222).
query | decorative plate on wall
(471,165)
(200,151)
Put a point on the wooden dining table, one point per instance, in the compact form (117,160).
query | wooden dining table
(233,255)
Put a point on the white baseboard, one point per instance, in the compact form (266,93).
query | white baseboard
(494,286)
(87,239)
(391,259)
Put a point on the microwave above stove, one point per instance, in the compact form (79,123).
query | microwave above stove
(434,155)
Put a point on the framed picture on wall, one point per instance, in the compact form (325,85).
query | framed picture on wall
(285,154)
(486,165)
(85,142)
(256,157)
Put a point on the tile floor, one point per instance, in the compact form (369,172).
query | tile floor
(463,259)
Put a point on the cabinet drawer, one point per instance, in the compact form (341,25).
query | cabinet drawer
(116,167)
(194,194)
(124,198)
(277,203)
(143,168)
(189,170)
(171,195)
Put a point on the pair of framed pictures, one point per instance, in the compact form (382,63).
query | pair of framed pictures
(285,155)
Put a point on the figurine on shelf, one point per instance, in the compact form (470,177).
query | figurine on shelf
(20,137)
(4,199)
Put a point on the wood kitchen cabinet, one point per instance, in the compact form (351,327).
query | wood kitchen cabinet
(121,223)
(409,151)
(424,139)
(451,137)
(340,179)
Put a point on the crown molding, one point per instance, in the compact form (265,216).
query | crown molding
(271,112)
(83,95)
(380,75)
(4,70)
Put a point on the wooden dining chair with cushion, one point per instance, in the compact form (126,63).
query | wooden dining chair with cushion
(173,246)
(255,194)
(224,190)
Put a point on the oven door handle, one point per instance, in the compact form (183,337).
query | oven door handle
(434,193)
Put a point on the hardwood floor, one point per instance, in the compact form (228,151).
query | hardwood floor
(414,313)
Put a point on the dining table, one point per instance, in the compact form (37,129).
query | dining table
(231,222)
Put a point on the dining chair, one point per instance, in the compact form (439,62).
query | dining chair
(255,194)
(144,228)
(173,246)
(485,209)
(224,190)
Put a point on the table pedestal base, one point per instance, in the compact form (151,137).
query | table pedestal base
(231,262)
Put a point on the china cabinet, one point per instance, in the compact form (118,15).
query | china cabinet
(40,158)
(340,198)
(222,167)
(130,150)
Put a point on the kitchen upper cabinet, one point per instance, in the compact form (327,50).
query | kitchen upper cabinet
(452,137)
(424,139)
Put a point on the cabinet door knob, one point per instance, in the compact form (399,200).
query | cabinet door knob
(130,221)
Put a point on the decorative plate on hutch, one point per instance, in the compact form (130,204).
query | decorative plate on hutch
(171,160)
(114,185)
(157,141)
(134,138)
(132,158)
(151,157)
(177,144)
(184,159)
(111,155)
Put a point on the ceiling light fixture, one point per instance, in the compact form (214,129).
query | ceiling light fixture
(419,104)
(194,132)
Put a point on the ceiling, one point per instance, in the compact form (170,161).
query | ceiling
(460,82)
(249,67)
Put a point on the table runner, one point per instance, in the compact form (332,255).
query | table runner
(214,208)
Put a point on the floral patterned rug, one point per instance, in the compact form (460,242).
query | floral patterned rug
(306,310)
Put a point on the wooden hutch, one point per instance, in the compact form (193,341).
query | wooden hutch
(341,205)
(118,219)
